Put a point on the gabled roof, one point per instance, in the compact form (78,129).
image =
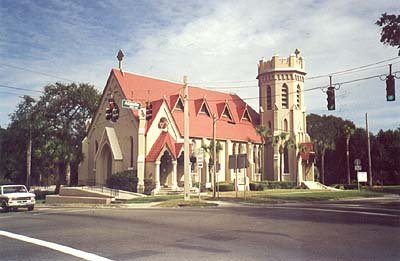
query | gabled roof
(164,140)
(200,125)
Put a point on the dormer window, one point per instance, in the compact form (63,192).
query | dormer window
(179,104)
(204,109)
(246,115)
(226,113)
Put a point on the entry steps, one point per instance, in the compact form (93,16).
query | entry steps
(313,185)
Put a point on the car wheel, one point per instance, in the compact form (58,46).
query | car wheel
(31,208)
(4,206)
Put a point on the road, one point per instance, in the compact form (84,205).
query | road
(349,230)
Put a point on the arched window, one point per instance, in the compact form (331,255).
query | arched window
(285,96)
(286,160)
(298,96)
(285,125)
(97,146)
(269,98)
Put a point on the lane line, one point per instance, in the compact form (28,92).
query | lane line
(61,211)
(338,211)
(64,249)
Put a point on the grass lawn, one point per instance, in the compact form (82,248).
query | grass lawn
(267,196)
(280,195)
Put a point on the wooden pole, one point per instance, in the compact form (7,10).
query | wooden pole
(369,151)
(186,140)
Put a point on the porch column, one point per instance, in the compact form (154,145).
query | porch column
(207,170)
(157,174)
(174,174)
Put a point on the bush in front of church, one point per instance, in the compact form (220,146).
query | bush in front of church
(125,180)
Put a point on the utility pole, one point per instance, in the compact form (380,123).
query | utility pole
(29,157)
(214,153)
(186,160)
(348,158)
(369,151)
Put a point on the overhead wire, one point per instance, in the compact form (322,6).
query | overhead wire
(346,71)
(37,72)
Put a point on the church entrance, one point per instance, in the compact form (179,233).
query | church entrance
(166,170)
(104,165)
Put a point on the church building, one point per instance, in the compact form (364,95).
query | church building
(138,127)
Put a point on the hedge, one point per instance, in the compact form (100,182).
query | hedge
(258,186)
(345,186)
(125,180)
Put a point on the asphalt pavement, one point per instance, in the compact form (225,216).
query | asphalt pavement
(338,230)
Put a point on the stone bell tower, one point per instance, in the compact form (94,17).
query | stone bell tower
(282,111)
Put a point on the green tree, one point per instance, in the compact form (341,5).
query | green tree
(63,111)
(390,29)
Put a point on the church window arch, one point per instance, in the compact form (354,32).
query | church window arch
(269,98)
(285,125)
(285,96)
(298,93)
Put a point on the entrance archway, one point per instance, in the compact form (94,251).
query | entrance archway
(166,169)
(104,164)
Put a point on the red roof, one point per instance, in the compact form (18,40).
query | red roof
(165,139)
(307,151)
(142,88)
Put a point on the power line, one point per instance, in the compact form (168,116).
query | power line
(37,72)
(19,88)
(305,90)
(351,70)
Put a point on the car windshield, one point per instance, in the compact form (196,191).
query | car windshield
(14,189)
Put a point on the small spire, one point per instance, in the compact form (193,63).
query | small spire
(120,56)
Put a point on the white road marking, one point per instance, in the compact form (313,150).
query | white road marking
(61,211)
(64,249)
(339,211)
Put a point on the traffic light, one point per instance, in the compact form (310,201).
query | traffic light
(331,98)
(109,109)
(390,88)
(149,111)
(112,111)
(108,113)
(115,113)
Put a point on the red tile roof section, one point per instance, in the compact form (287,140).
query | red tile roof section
(200,125)
(165,139)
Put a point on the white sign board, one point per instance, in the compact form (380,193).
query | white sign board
(200,158)
(357,167)
(362,177)
(130,104)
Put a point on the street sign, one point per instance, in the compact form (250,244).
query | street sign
(200,157)
(362,177)
(357,167)
(357,162)
(130,104)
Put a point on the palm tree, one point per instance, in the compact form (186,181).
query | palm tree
(348,131)
(265,134)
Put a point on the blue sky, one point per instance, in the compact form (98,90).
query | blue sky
(210,41)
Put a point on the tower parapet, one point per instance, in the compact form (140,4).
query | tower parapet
(294,62)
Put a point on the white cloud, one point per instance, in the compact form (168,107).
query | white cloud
(212,41)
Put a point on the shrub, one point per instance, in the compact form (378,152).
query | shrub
(149,185)
(256,186)
(226,186)
(125,180)
(273,185)
(345,186)
(41,194)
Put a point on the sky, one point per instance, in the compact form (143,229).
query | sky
(214,43)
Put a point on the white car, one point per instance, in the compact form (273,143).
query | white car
(16,196)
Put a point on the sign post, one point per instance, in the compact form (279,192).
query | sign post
(199,161)
(361,177)
(131,104)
